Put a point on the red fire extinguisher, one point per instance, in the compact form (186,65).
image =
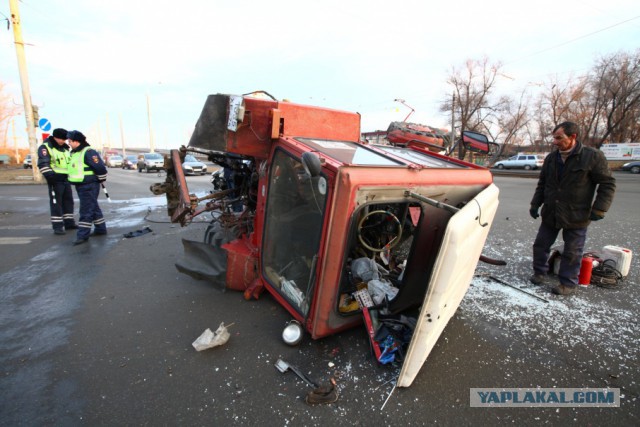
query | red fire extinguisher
(585,271)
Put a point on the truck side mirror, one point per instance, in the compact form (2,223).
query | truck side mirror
(474,141)
(311,163)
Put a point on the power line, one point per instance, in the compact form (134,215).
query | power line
(573,40)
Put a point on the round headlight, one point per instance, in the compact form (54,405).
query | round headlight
(292,333)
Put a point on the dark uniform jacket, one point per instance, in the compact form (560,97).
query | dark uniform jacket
(568,199)
(44,160)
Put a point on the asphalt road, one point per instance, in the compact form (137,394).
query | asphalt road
(101,333)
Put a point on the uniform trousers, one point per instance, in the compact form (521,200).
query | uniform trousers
(90,212)
(61,205)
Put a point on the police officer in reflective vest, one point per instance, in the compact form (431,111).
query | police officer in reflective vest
(86,172)
(53,162)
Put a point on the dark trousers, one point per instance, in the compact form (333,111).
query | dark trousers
(90,212)
(61,205)
(571,260)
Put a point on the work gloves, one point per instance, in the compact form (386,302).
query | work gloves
(595,216)
(534,212)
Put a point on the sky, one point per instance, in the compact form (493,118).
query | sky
(106,67)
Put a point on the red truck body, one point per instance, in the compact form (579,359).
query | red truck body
(307,204)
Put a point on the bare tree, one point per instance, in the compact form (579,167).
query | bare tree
(7,110)
(539,127)
(472,86)
(512,116)
(605,103)
(472,102)
(615,86)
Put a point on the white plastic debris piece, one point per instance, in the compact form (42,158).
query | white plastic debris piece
(363,297)
(210,339)
(365,268)
(290,289)
(379,289)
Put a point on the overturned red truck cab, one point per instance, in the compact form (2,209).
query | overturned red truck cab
(336,230)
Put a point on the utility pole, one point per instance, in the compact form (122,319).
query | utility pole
(151,144)
(99,136)
(453,120)
(26,91)
(124,150)
(108,133)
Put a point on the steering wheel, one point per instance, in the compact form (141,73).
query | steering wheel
(374,226)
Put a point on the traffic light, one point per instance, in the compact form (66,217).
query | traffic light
(36,115)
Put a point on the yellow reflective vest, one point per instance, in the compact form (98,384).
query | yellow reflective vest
(77,166)
(59,160)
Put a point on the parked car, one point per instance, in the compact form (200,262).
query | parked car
(521,161)
(150,162)
(193,166)
(130,161)
(26,163)
(114,161)
(633,167)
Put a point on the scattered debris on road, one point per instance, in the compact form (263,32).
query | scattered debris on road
(210,339)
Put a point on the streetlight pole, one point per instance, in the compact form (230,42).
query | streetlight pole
(124,150)
(151,144)
(453,121)
(26,91)
(108,133)
(100,136)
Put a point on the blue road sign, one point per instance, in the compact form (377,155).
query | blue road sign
(44,124)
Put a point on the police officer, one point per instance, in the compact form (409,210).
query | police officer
(53,162)
(86,172)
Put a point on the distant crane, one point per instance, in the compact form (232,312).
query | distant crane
(405,104)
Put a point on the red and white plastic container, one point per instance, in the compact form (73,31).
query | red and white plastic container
(622,257)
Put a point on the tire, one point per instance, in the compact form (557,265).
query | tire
(527,167)
(500,166)
(210,232)
(635,169)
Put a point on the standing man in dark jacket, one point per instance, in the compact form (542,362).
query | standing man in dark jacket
(53,162)
(569,178)
(87,171)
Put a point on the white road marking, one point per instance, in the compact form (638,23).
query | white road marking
(25,227)
(17,240)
